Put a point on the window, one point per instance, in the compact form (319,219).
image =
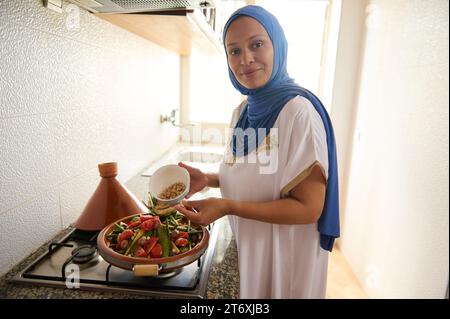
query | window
(311,32)
(212,97)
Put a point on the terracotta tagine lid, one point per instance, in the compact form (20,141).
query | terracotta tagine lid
(111,201)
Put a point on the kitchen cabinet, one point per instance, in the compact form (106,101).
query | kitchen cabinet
(179,31)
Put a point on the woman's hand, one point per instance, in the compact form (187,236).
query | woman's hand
(206,210)
(199,180)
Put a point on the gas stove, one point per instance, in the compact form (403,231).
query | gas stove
(74,263)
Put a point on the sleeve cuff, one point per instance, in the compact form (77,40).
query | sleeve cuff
(299,178)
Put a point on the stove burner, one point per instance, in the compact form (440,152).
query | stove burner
(83,254)
(165,275)
(78,248)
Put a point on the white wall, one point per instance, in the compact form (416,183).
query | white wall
(395,232)
(72,97)
(346,86)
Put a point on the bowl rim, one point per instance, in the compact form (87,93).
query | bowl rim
(175,200)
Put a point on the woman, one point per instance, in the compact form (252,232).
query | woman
(284,212)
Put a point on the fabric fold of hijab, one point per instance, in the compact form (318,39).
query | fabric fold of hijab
(264,105)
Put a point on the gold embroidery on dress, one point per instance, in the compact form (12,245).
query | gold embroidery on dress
(269,143)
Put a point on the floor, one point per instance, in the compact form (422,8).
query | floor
(342,283)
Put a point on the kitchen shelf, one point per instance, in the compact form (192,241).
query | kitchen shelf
(180,32)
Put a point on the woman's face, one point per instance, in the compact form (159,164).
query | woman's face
(250,52)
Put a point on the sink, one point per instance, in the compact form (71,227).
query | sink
(201,157)
(207,159)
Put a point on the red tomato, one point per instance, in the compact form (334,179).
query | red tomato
(145,217)
(150,244)
(126,234)
(140,252)
(181,242)
(149,225)
(183,234)
(134,224)
(156,251)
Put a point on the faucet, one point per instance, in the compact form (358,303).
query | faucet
(172,118)
(169,118)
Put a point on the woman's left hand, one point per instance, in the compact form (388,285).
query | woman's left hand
(207,210)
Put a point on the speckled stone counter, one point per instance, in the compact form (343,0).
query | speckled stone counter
(223,279)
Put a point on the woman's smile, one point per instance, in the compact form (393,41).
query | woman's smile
(250,73)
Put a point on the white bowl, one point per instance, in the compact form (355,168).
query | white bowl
(165,176)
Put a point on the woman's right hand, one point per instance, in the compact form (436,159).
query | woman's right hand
(199,180)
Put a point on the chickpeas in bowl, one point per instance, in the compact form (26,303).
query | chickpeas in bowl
(169,184)
(172,191)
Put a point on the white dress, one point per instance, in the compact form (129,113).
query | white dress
(278,261)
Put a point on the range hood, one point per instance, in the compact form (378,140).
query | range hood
(177,25)
(142,6)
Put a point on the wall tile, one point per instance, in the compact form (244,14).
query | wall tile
(83,139)
(28,226)
(75,193)
(73,98)
(27,158)
(77,24)
(27,78)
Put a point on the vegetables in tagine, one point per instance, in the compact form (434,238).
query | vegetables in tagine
(163,232)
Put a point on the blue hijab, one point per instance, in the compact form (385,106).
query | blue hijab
(265,103)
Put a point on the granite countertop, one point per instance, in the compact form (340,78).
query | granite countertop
(223,279)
